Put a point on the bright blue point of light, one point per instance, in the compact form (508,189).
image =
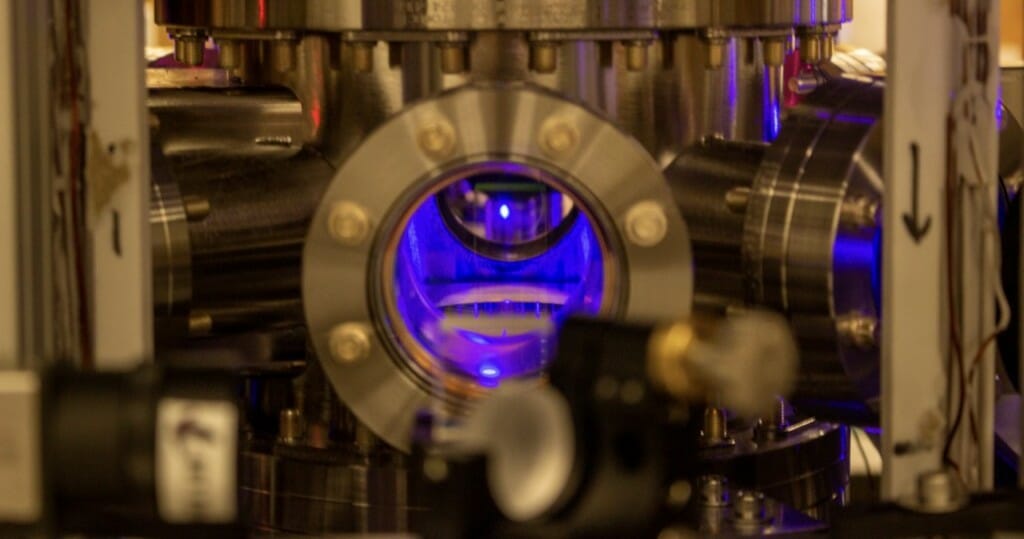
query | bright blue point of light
(503,211)
(489,371)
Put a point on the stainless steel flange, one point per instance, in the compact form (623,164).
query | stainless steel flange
(346,256)
(403,15)
(811,243)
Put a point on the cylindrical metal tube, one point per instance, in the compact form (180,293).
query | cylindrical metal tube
(709,181)
(248,251)
(792,227)
(172,257)
(239,265)
(228,122)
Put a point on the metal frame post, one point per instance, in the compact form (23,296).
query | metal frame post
(927,139)
(118,177)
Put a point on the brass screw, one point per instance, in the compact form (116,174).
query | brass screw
(774,51)
(858,330)
(199,323)
(189,46)
(715,53)
(859,212)
(282,56)
(737,199)
(291,426)
(196,208)
(828,47)
(544,56)
(810,48)
(714,426)
(453,58)
(230,56)
(636,55)
(362,56)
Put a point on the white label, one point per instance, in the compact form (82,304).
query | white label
(196,459)
(21,491)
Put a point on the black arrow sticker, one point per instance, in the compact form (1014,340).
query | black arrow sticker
(916,228)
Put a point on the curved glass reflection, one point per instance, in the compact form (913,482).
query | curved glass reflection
(486,271)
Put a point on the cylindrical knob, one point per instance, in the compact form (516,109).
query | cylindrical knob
(746,362)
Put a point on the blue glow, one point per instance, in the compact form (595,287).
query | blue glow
(732,81)
(489,371)
(846,117)
(772,110)
(485,318)
(859,255)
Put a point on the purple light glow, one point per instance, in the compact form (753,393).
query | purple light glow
(483,317)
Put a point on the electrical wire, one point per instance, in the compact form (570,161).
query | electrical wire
(977,180)
(76,185)
(864,455)
(955,361)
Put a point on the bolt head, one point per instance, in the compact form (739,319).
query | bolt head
(940,490)
(714,491)
(859,213)
(437,139)
(558,137)
(646,224)
(350,343)
(435,469)
(679,493)
(715,53)
(748,506)
(858,330)
(349,224)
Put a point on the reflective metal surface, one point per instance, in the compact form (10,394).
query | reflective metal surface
(172,256)
(608,172)
(711,183)
(228,234)
(811,237)
(667,102)
(426,189)
(805,466)
(489,14)
(311,492)
(228,123)
(794,226)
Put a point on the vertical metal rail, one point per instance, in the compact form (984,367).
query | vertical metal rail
(10,339)
(929,147)
(27,311)
(117,176)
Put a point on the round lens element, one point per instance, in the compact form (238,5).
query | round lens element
(487,267)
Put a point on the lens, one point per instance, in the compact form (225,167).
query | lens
(487,267)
